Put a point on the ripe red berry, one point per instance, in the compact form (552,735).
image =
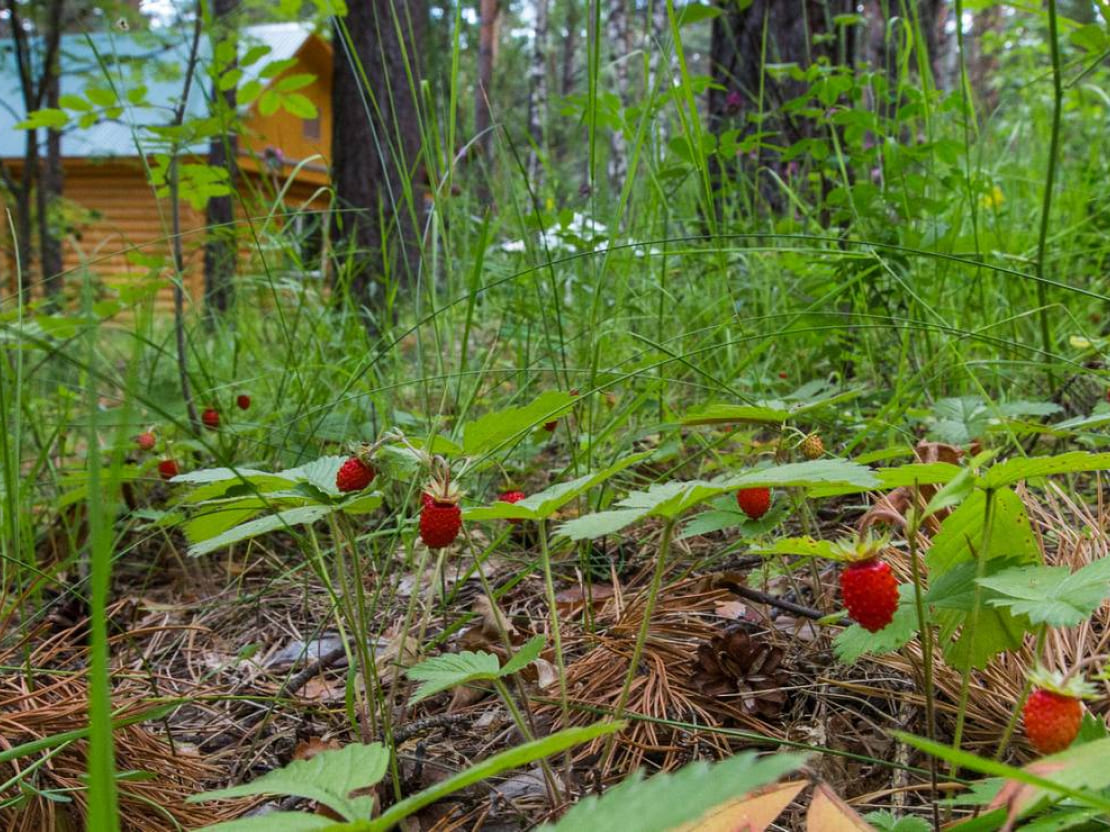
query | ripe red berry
(440,522)
(243,401)
(1051,720)
(145,440)
(167,469)
(354,475)
(211,418)
(754,502)
(870,593)
(550,426)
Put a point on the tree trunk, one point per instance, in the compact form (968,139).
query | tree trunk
(617,33)
(51,181)
(376,147)
(221,249)
(487,44)
(537,100)
(570,46)
(742,44)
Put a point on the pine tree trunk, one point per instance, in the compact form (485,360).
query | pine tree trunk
(374,229)
(570,47)
(537,101)
(617,33)
(220,249)
(51,180)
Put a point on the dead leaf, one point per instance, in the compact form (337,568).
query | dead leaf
(751,813)
(828,813)
(494,622)
(571,600)
(732,610)
(546,674)
(1016,797)
(312,746)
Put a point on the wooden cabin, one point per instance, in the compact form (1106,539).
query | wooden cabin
(114,224)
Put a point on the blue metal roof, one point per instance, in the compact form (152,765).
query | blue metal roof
(155,59)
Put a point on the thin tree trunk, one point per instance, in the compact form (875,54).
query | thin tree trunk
(618,35)
(51,180)
(487,39)
(570,47)
(374,230)
(537,101)
(220,249)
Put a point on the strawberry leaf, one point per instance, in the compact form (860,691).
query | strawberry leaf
(501,426)
(450,670)
(1015,470)
(1052,595)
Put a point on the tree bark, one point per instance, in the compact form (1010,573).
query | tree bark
(221,249)
(376,147)
(488,11)
(570,47)
(617,33)
(51,181)
(537,100)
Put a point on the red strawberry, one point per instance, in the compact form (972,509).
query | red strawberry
(754,502)
(512,497)
(167,469)
(550,426)
(211,418)
(1051,720)
(354,475)
(145,440)
(870,593)
(440,523)
(243,401)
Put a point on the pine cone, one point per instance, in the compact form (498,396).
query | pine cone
(735,663)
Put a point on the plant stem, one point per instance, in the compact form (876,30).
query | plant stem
(641,637)
(925,632)
(1011,724)
(556,632)
(1050,181)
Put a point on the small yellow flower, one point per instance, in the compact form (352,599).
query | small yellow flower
(993,199)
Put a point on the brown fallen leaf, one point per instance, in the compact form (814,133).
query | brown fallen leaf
(571,600)
(309,748)
(828,813)
(751,813)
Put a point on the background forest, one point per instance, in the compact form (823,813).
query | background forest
(569,414)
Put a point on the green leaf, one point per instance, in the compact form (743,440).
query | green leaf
(806,546)
(294,82)
(523,657)
(697,12)
(667,801)
(855,642)
(886,822)
(1052,595)
(815,473)
(299,105)
(299,516)
(46,117)
(495,429)
(74,102)
(728,414)
(544,504)
(450,670)
(599,524)
(101,96)
(327,778)
(274,822)
(269,103)
(513,758)
(1015,470)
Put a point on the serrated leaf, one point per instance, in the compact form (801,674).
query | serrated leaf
(599,524)
(542,505)
(319,472)
(450,670)
(665,801)
(1015,470)
(1052,595)
(299,516)
(328,778)
(363,503)
(494,429)
(815,473)
(523,657)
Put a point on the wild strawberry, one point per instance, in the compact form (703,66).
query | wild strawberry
(783,374)
(512,497)
(870,593)
(441,517)
(1054,711)
(211,418)
(550,426)
(167,469)
(145,440)
(354,474)
(754,502)
(813,447)
(243,401)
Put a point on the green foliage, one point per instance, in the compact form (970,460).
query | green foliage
(666,801)
(1052,595)
(452,669)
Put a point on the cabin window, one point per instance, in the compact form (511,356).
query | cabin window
(310,128)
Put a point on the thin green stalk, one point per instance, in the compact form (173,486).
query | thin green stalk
(1011,724)
(1050,181)
(925,630)
(556,632)
(641,636)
